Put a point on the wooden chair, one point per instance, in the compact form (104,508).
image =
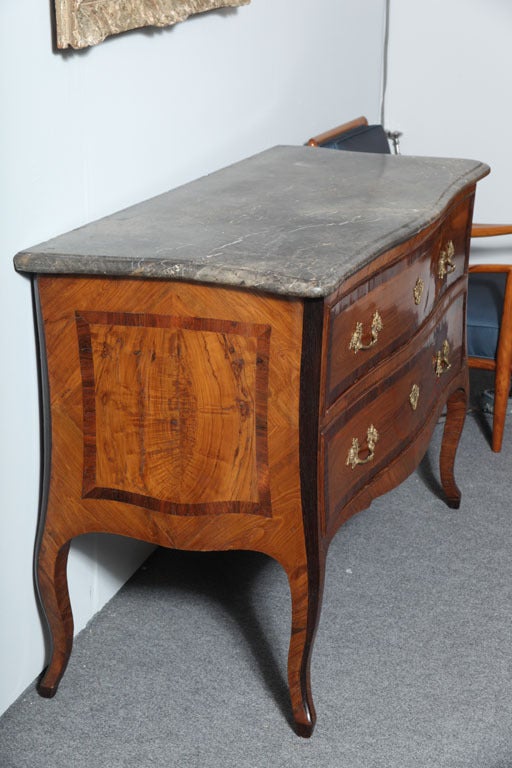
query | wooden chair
(489,311)
(355,136)
(489,326)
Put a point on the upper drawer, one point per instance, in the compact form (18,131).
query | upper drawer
(374,318)
(449,251)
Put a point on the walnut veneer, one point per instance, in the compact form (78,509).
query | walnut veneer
(212,417)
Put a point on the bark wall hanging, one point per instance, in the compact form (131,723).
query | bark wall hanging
(81,23)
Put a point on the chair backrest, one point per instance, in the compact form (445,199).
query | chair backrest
(355,136)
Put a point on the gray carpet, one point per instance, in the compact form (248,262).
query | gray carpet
(412,666)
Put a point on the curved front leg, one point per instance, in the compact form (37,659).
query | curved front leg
(455,417)
(306,593)
(52,584)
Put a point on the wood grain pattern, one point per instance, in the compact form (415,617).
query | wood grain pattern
(490,230)
(259,327)
(307,598)
(455,228)
(456,407)
(382,400)
(207,418)
(409,458)
(169,402)
(390,292)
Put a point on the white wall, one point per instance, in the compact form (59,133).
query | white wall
(449,84)
(84,134)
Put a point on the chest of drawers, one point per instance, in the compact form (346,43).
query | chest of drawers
(247,361)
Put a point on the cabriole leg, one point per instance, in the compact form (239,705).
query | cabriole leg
(306,594)
(52,586)
(455,417)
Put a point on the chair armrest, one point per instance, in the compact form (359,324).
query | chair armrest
(334,132)
(490,230)
(491,268)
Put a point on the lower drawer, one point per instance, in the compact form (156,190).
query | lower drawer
(380,422)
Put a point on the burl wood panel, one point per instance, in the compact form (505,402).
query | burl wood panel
(209,374)
(169,403)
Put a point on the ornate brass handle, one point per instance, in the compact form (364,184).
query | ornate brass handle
(353,455)
(440,360)
(446,265)
(356,342)
(418,290)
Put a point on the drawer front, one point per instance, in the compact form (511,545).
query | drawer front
(378,424)
(449,253)
(374,319)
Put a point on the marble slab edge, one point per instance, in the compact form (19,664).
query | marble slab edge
(271,277)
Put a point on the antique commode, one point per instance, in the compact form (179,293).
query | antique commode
(247,361)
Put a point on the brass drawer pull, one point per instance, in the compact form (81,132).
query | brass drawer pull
(414,396)
(440,360)
(446,265)
(356,342)
(353,455)
(418,290)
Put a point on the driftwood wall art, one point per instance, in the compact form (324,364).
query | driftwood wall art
(81,23)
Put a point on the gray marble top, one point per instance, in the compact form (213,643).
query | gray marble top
(291,220)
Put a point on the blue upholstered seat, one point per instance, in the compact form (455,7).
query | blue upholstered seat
(485,307)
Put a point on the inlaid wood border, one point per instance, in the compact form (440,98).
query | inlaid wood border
(90,489)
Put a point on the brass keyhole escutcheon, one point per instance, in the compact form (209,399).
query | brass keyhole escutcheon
(414,396)
(418,290)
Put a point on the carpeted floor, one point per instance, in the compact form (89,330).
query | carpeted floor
(412,667)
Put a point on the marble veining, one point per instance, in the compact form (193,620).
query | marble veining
(291,220)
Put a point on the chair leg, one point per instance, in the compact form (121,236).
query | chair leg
(503,369)
(501,393)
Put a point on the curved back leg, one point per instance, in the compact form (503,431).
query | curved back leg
(53,591)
